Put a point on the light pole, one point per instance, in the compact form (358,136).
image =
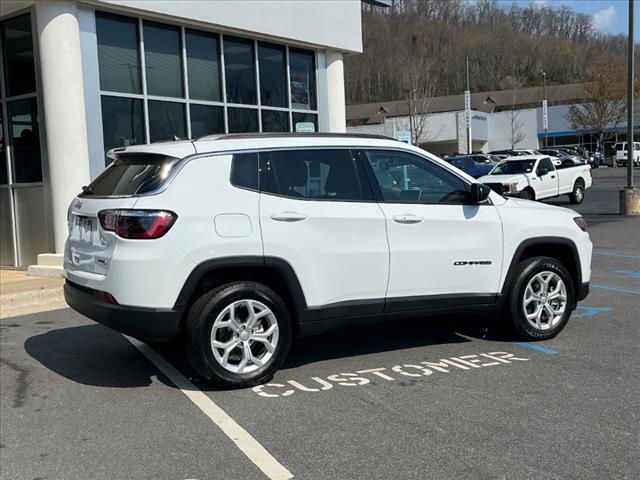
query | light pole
(545,118)
(468,111)
(411,93)
(629,196)
(631,154)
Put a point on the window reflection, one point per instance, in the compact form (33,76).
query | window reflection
(122,123)
(25,140)
(118,54)
(4,178)
(242,120)
(166,121)
(203,65)
(303,79)
(240,74)
(162,60)
(273,80)
(17,45)
(275,121)
(206,120)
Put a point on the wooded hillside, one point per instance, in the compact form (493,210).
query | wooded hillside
(422,44)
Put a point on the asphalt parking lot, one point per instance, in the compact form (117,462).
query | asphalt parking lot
(441,397)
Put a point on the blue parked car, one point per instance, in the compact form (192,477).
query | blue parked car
(474,165)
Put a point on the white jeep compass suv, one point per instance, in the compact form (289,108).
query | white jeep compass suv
(241,242)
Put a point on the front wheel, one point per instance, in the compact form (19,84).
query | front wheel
(238,335)
(527,194)
(541,298)
(577,195)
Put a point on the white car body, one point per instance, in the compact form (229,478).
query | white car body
(557,181)
(622,153)
(345,257)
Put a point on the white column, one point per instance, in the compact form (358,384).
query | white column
(335,92)
(64,111)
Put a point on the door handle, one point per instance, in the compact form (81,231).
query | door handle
(288,216)
(407,218)
(553,176)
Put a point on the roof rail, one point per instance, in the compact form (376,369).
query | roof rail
(231,136)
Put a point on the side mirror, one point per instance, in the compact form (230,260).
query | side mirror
(542,171)
(478,192)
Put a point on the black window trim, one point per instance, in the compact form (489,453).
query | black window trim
(357,164)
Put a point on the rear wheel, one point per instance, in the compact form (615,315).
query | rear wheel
(238,335)
(577,195)
(541,298)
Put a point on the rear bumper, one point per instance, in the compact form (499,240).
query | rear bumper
(147,324)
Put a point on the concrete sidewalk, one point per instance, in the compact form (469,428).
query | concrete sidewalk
(21,294)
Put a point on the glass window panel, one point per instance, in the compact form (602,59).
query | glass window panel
(122,123)
(244,170)
(407,178)
(203,65)
(17,44)
(303,79)
(162,60)
(273,75)
(205,120)
(318,174)
(275,121)
(118,54)
(4,178)
(30,221)
(166,121)
(304,118)
(6,228)
(240,76)
(25,140)
(242,120)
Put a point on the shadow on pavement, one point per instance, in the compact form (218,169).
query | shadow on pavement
(91,355)
(98,356)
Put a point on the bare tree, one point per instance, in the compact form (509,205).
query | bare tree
(517,132)
(605,108)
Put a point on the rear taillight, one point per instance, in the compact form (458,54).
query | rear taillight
(137,224)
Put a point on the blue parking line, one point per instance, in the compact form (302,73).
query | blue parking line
(589,311)
(533,346)
(628,273)
(609,254)
(616,289)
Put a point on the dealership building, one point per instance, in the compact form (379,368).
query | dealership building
(80,77)
(501,119)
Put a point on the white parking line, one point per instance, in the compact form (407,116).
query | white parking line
(243,440)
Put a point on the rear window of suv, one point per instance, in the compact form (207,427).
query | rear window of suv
(131,174)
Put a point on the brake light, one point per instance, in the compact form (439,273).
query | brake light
(137,224)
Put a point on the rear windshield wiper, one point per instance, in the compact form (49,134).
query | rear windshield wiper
(87,189)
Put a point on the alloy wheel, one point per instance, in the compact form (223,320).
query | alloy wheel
(244,336)
(544,300)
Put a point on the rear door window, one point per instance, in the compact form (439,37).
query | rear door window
(131,174)
(320,174)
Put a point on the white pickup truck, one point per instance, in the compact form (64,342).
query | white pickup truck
(534,177)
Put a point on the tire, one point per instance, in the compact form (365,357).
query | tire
(527,194)
(215,307)
(577,195)
(528,274)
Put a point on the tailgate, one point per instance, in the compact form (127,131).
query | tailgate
(89,247)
